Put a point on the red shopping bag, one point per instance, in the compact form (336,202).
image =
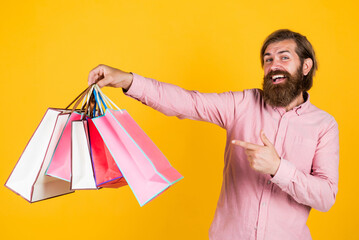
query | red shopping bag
(107,174)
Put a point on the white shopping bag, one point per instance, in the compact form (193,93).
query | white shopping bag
(82,174)
(28,178)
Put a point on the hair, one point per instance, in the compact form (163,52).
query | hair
(304,50)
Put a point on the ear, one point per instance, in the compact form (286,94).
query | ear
(307,65)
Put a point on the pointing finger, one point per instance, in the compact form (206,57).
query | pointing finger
(245,145)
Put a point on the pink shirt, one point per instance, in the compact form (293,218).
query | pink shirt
(254,205)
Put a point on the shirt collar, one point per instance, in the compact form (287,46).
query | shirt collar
(298,109)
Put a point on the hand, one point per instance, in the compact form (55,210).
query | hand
(264,159)
(105,75)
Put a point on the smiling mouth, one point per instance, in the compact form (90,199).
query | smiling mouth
(278,78)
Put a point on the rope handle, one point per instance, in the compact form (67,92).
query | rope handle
(105,99)
(86,93)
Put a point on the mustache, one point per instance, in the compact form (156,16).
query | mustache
(276,72)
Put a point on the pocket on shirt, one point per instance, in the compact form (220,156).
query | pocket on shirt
(301,152)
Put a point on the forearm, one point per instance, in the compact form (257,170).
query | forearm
(164,97)
(318,192)
(173,100)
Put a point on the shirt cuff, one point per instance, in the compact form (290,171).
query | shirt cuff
(137,87)
(284,174)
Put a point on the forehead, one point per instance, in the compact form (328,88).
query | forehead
(285,45)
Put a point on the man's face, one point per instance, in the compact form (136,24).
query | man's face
(283,74)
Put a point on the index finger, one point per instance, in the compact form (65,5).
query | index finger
(246,145)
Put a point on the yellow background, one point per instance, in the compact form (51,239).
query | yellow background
(47,49)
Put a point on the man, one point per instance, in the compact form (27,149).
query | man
(282,152)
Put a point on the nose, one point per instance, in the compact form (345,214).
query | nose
(276,65)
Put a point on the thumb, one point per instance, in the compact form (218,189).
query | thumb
(265,140)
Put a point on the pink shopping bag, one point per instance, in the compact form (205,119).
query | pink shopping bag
(60,164)
(145,168)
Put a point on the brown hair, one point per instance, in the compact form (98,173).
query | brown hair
(304,50)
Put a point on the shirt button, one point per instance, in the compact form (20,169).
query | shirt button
(263,204)
(255,228)
(268,182)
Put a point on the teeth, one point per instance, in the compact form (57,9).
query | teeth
(277,76)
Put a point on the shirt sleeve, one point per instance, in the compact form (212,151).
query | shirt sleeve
(172,100)
(319,188)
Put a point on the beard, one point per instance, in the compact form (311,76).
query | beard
(282,94)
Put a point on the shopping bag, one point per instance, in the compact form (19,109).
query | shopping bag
(107,174)
(27,178)
(60,164)
(82,174)
(91,162)
(145,168)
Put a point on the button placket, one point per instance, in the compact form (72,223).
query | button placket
(263,209)
(282,125)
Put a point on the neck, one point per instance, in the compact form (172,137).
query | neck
(296,102)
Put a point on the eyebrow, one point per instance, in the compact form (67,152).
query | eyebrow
(284,51)
(268,54)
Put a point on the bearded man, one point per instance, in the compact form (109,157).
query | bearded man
(282,152)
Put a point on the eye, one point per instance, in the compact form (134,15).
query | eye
(268,60)
(285,58)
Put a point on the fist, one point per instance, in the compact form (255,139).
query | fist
(105,75)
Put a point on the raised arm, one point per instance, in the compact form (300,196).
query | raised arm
(172,100)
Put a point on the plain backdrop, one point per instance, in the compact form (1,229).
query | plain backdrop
(47,49)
